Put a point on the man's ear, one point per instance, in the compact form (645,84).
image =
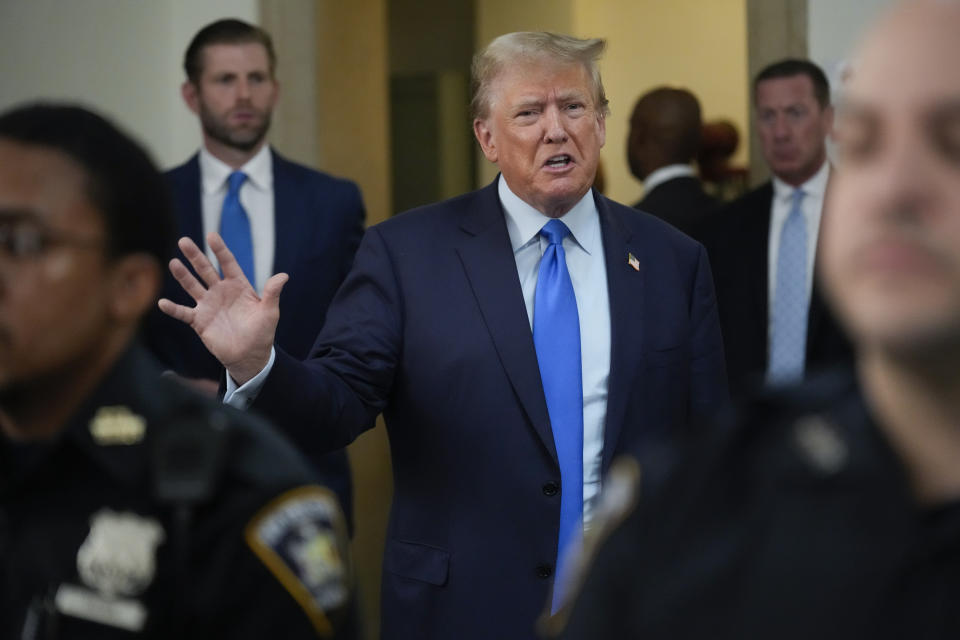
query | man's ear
(135,283)
(481,130)
(191,95)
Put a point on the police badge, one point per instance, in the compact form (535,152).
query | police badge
(119,555)
(117,559)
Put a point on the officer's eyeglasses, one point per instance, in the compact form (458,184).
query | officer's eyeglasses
(23,238)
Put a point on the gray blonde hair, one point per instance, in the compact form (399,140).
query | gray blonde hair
(534,45)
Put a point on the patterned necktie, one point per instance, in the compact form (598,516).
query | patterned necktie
(235,227)
(789,340)
(556,335)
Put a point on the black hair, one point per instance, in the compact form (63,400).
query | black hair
(226,31)
(122,181)
(797,67)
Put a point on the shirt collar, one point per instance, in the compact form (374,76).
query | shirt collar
(663,174)
(814,187)
(524,222)
(259,170)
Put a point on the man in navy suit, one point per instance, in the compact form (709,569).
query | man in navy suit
(746,238)
(301,221)
(439,327)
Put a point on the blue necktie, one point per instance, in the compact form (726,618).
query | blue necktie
(235,227)
(556,335)
(789,340)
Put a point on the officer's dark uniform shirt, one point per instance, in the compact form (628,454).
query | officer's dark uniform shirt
(157,513)
(796,520)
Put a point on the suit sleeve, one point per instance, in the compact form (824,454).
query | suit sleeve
(337,392)
(353,222)
(708,378)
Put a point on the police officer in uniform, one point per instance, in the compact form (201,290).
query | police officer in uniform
(129,506)
(831,510)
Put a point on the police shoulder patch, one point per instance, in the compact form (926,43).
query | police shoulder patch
(301,538)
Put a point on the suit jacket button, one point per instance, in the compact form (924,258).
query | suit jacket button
(544,571)
(551,489)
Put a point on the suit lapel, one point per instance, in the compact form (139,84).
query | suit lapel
(288,214)
(625,287)
(815,319)
(492,271)
(759,271)
(189,194)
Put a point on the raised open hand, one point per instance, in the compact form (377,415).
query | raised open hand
(235,324)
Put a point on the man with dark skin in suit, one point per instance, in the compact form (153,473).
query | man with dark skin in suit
(663,142)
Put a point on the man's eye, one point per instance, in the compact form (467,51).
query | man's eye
(21,241)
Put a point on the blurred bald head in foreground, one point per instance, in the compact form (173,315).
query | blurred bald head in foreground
(892,244)
(891,241)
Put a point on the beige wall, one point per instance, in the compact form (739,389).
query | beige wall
(352,97)
(293,129)
(693,43)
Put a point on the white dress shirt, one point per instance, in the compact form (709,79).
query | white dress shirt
(256,196)
(588,272)
(812,208)
(665,174)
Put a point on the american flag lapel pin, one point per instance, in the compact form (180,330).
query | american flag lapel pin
(633,262)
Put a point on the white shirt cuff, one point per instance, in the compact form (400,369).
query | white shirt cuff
(243,396)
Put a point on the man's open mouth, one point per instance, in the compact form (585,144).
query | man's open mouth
(561,160)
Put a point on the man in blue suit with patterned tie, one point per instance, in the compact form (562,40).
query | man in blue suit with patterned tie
(278,216)
(763,246)
(515,338)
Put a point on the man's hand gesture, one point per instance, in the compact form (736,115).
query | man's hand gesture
(235,324)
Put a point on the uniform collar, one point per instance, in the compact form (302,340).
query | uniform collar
(121,394)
